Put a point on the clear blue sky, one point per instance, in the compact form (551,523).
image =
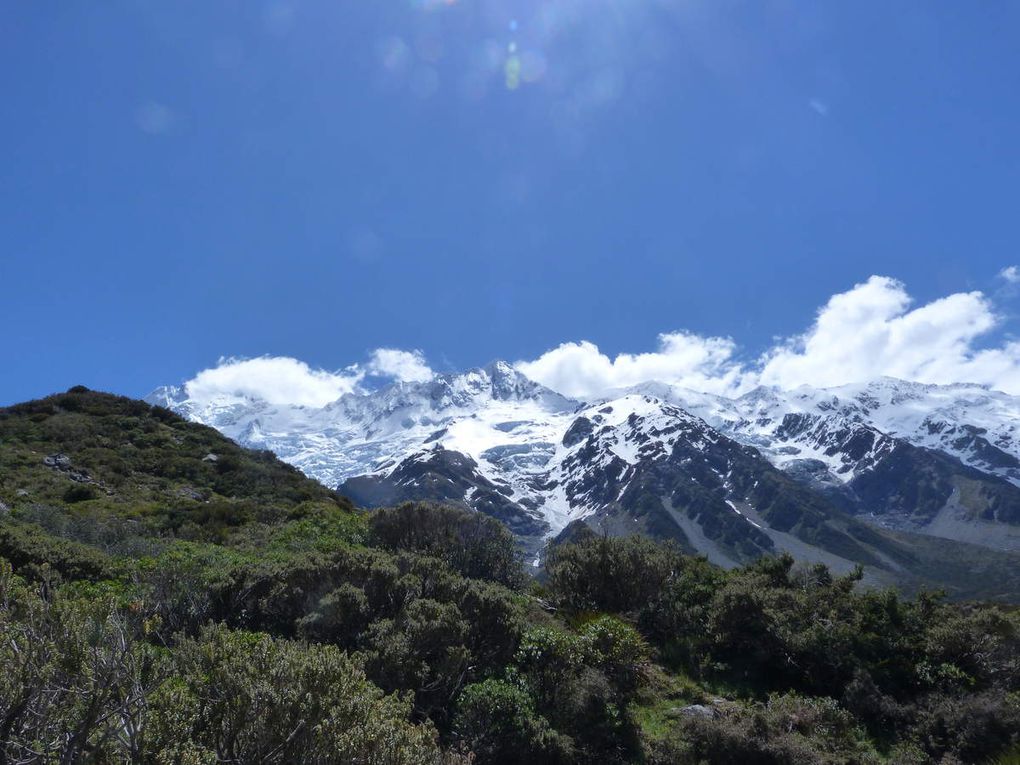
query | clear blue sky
(480,179)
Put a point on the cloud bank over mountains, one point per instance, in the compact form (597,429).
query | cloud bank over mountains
(281,380)
(702,363)
(867,332)
(871,330)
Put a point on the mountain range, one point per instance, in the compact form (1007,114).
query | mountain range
(907,479)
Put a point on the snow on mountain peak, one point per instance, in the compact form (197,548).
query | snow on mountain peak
(524,439)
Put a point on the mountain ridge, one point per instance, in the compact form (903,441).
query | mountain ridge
(494,441)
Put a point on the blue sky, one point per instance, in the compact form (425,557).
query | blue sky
(184,181)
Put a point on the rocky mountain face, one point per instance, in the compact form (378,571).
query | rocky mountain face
(935,459)
(831,475)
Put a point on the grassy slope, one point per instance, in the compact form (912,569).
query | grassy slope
(150,481)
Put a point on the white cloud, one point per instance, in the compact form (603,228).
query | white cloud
(409,366)
(1011,274)
(581,369)
(278,380)
(867,332)
(281,380)
(871,331)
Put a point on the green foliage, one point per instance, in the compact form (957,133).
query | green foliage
(935,678)
(312,526)
(418,626)
(33,553)
(472,544)
(973,727)
(582,682)
(146,463)
(622,575)
(244,697)
(422,650)
(497,722)
(81,683)
(80,493)
(74,678)
(785,730)
(1010,758)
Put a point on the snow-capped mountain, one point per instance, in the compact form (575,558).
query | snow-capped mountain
(538,475)
(359,434)
(851,427)
(730,477)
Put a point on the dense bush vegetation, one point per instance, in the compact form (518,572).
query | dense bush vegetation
(82,683)
(203,610)
(860,675)
(473,545)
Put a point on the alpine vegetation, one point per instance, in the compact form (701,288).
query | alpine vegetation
(169,596)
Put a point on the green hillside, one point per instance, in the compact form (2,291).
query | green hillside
(108,456)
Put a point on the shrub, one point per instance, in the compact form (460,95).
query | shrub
(622,575)
(80,493)
(786,730)
(472,544)
(582,682)
(244,697)
(497,722)
(81,684)
(974,728)
(423,650)
(32,553)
